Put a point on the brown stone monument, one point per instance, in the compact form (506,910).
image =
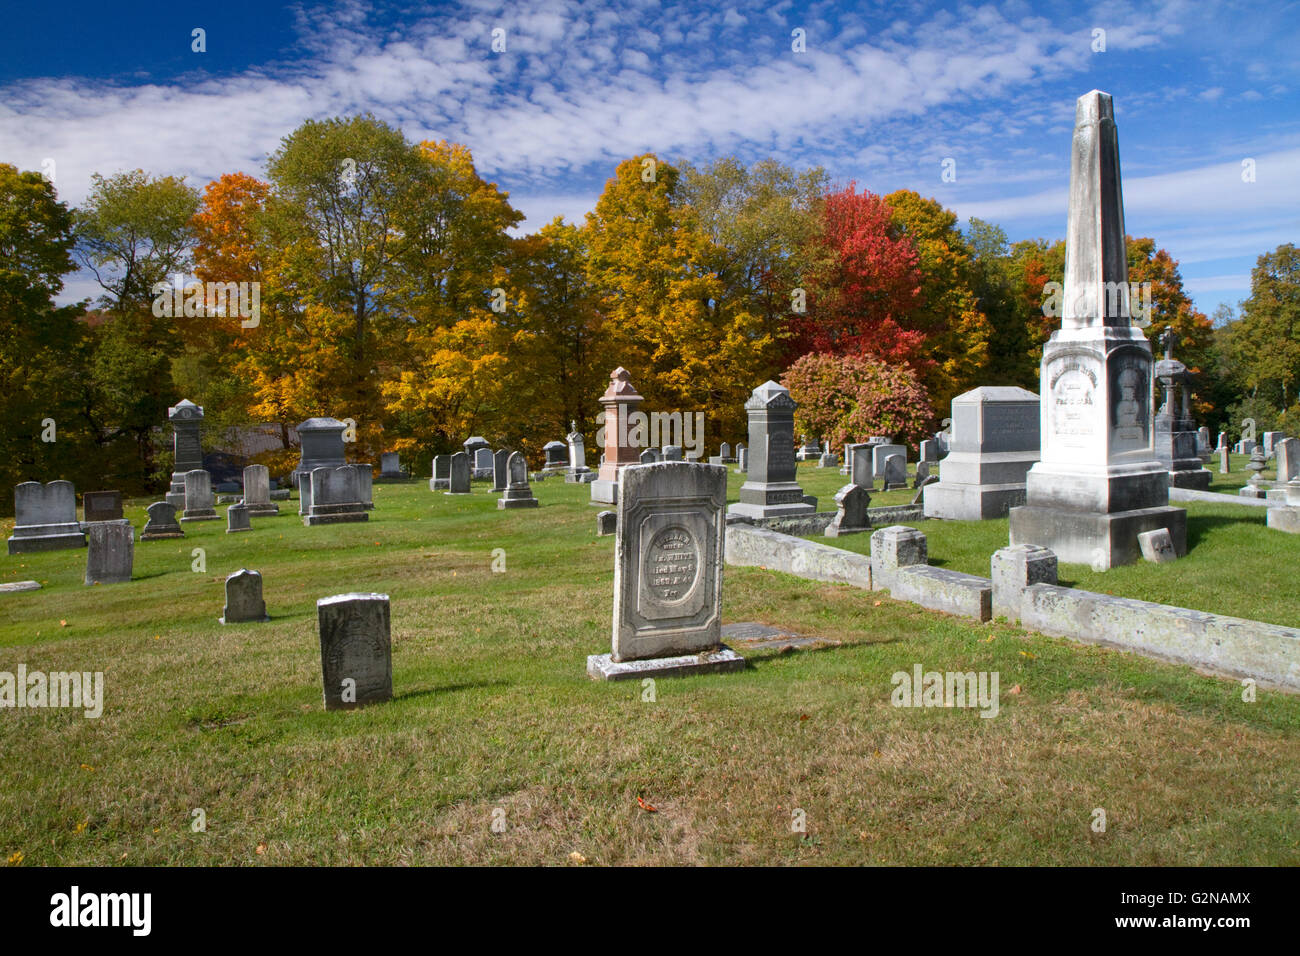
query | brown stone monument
(620,401)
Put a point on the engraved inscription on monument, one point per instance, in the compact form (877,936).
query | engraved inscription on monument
(672,564)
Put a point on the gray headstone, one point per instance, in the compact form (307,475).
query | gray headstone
(441,479)
(500,462)
(1287,452)
(390,465)
(185,418)
(1157,546)
(649,456)
(668,560)
(770,489)
(517,493)
(880,452)
(929,450)
(922,473)
(1223,459)
(724,452)
(102,505)
(606,523)
(334,495)
(198,497)
(244,598)
(861,469)
(162,522)
(895,472)
(483,463)
(237,519)
(365,483)
(994,443)
(355,649)
(851,503)
(672,453)
(742,458)
(45,518)
(577,455)
(458,475)
(322,446)
(110,553)
(257,491)
(556,453)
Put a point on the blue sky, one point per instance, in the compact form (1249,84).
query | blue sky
(882,95)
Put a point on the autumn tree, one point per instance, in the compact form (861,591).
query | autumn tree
(865,285)
(1263,345)
(956,331)
(688,345)
(845,397)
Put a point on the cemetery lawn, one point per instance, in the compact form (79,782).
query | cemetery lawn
(494,715)
(1235,564)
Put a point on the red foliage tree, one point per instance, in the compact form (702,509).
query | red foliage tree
(865,286)
(849,397)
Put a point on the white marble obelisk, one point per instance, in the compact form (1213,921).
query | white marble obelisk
(1098,484)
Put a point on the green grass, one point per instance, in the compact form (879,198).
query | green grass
(493,711)
(1235,564)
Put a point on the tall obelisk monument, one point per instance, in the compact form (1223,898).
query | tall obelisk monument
(1098,484)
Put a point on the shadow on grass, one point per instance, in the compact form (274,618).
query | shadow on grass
(1199,525)
(451,689)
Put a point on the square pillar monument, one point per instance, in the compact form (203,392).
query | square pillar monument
(1098,484)
(620,400)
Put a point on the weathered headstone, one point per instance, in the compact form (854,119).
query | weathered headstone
(482,463)
(102,505)
(770,489)
(1098,484)
(861,472)
(198,497)
(1203,449)
(1175,441)
(724,452)
(649,456)
(881,451)
(237,519)
(672,453)
(742,461)
(1223,459)
(356,651)
(333,496)
(1157,546)
(322,446)
(606,523)
(668,573)
(458,482)
(828,458)
(578,472)
(895,472)
(390,466)
(441,479)
(366,483)
(162,522)
(110,551)
(1287,453)
(517,493)
(994,442)
(808,450)
(929,451)
(922,474)
(187,450)
(1270,442)
(623,440)
(556,453)
(45,518)
(851,503)
(257,491)
(500,470)
(244,598)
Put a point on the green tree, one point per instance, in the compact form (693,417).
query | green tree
(42,346)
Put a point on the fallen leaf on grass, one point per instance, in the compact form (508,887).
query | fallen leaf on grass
(645,806)
(578,858)
(261,849)
(1014,690)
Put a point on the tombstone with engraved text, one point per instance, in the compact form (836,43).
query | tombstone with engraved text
(668,574)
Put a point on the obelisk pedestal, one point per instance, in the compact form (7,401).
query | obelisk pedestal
(619,400)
